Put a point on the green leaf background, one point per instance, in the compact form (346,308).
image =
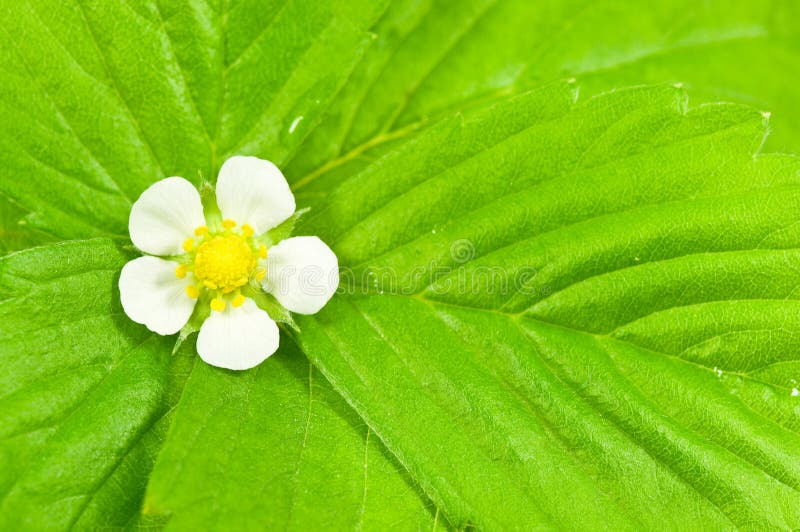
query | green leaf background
(623,167)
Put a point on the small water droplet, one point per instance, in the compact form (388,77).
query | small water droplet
(795,392)
(294,124)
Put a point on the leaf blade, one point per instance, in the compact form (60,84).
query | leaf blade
(501,372)
(299,451)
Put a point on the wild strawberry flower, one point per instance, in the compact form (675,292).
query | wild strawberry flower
(213,258)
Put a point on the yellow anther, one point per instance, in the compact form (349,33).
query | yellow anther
(262,251)
(210,285)
(201,231)
(238,300)
(228,224)
(188,244)
(192,291)
(180,271)
(260,273)
(217,304)
(247,230)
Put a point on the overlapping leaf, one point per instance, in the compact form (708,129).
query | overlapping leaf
(640,375)
(278,448)
(106,116)
(85,392)
(433,58)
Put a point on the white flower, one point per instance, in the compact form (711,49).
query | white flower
(218,257)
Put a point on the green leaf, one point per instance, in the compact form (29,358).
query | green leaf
(95,110)
(434,58)
(588,317)
(14,231)
(276,447)
(85,391)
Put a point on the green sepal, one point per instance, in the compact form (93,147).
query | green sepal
(282,231)
(208,197)
(184,258)
(129,248)
(270,305)
(201,311)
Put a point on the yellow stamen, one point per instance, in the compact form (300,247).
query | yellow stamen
(260,273)
(247,230)
(201,231)
(238,300)
(180,271)
(262,251)
(188,245)
(217,304)
(192,291)
(228,224)
(224,263)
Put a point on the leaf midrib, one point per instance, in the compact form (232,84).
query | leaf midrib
(568,173)
(518,317)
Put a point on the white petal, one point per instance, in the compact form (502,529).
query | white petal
(165,215)
(238,337)
(302,273)
(153,296)
(253,191)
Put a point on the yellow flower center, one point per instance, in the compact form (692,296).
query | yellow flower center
(224,263)
(221,262)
